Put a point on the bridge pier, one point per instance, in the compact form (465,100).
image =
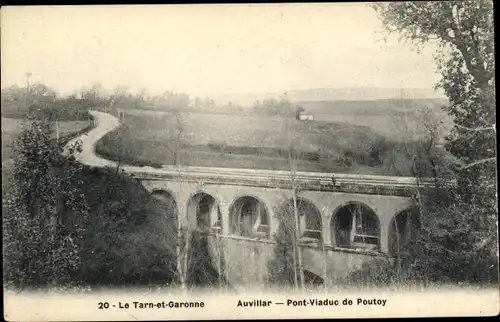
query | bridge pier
(384,237)
(224,208)
(326,222)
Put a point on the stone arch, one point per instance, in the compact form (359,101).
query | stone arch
(310,219)
(403,228)
(355,225)
(167,200)
(205,209)
(249,217)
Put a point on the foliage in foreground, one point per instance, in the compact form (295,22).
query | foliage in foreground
(459,239)
(43,216)
(65,225)
(283,268)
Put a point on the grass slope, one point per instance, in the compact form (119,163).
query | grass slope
(129,235)
(246,141)
(129,238)
(371,107)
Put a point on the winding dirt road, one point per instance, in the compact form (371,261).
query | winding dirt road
(103,124)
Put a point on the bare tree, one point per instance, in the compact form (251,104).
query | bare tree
(293,159)
(182,234)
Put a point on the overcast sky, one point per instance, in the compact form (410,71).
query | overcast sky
(208,48)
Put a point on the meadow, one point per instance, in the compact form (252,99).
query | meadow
(386,117)
(250,141)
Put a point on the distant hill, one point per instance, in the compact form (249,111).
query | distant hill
(330,94)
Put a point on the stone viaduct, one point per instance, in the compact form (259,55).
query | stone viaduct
(346,220)
(343,224)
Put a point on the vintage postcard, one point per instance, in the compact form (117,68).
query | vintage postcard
(237,161)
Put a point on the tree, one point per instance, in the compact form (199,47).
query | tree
(283,267)
(293,158)
(39,91)
(274,107)
(463,31)
(419,153)
(288,254)
(44,215)
(95,91)
(181,233)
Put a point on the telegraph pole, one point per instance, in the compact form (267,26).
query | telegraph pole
(28,75)
(57,130)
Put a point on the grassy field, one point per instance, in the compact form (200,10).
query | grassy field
(382,116)
(372,107)
(246,141)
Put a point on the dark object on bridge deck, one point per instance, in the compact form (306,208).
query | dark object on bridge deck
(334,182)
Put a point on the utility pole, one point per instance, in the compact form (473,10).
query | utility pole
(57,129)
(77,117)
(28,75)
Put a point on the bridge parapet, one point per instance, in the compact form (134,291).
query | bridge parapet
(330,182)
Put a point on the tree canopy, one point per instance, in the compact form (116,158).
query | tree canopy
(463,31)
(461,231)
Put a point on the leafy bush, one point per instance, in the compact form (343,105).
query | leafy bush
(66,225)
(283,268)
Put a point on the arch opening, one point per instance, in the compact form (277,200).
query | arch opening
(403,230)
(356,225)
(166,202)
(249,218)
(205,209)
(310,220)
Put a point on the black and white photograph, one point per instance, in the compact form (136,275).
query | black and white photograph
(248,161)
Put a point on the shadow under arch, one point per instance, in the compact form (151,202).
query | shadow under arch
(355,225)
(403,229)
(310,218)
(249,216)
(166,200)
(206,210)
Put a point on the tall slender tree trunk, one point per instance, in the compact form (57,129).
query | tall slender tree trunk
(398,258)
(324,265)
(219,260)
(57,131)
(296,224)
(181,254)
(180,271)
